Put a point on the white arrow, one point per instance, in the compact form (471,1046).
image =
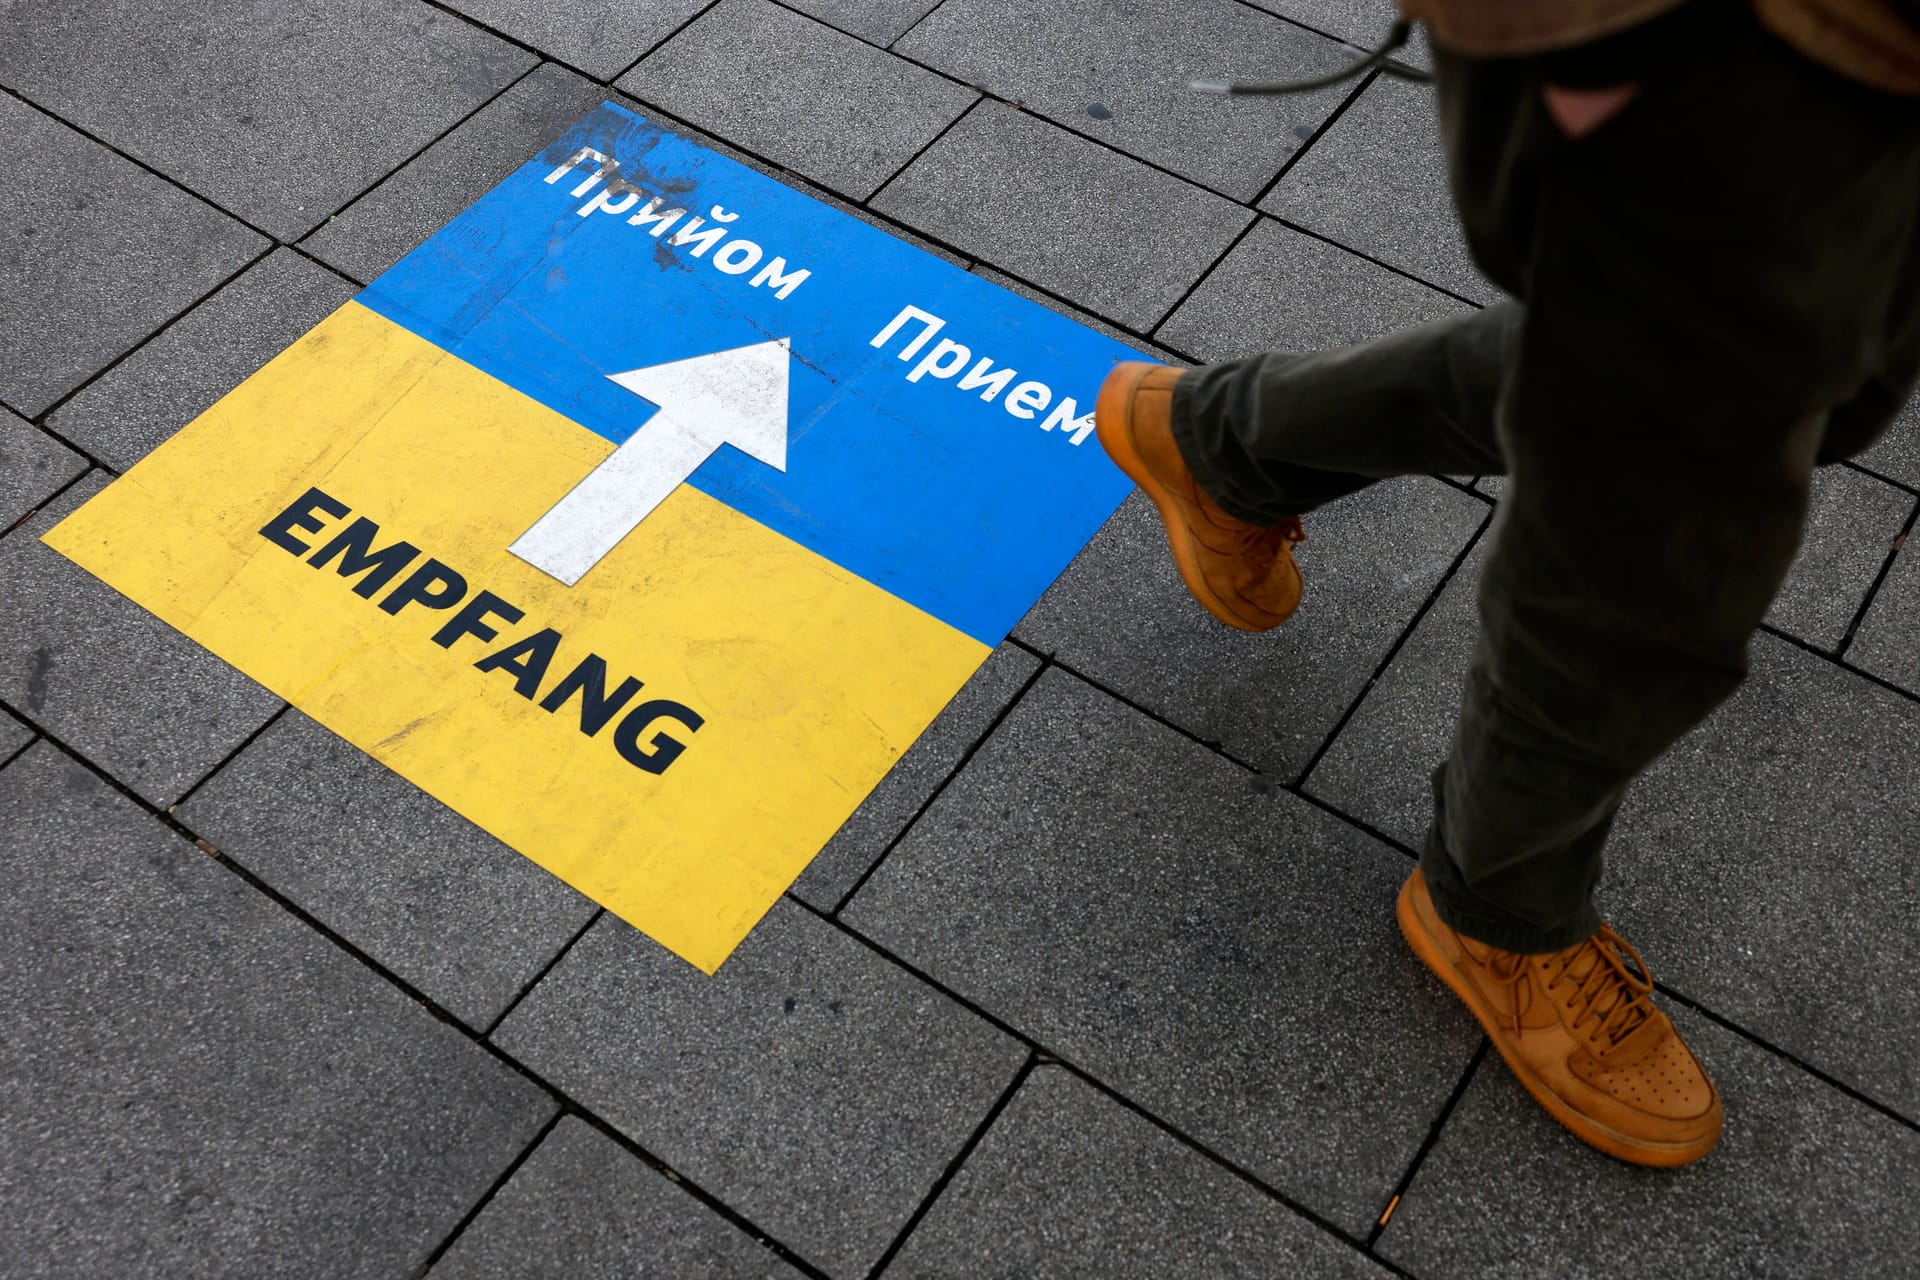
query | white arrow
(736,397)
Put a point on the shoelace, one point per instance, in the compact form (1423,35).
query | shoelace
(1262,543)
(1606,992)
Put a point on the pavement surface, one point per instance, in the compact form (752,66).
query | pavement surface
(1103,980)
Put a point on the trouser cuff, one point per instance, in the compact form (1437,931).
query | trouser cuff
(1465,915)
(1192,437)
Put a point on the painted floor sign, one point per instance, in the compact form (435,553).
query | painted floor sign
(644,515)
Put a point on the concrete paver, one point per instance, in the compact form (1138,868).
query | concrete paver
(1214,949)
(1070,1182)
(109,679)
(600,37)
(1806,1182)
(1121,616)
(1364,22)
(1897,455)
(1133,94)
(281,117)
(33,467)
(390,221)
(1754,865)
(445,906)
(213,1088)
(843,1085)
(1280,290)
(203,355)
(95,254)
(1851,524)
(13,737)
(1377,183)
(879,21)
(1065,213)
(911,782)
(1087,318)
(1888,642)
(581,1207)
(1377,770)
(802,94)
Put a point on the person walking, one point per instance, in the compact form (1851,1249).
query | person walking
(1707,215)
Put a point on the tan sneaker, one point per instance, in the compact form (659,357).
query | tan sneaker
(1580,1031)
(1243,573)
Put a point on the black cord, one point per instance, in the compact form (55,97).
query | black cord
(1396,37)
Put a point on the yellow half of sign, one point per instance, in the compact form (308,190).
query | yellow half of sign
(808,680)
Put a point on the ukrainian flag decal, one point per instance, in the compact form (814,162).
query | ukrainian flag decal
(644,515)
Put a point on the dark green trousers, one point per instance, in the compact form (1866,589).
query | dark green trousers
(1715,292)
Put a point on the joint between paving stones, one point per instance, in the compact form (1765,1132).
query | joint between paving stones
(1393,651)
(140,164)
(1433,1136)
(955,1164)
(1761,1042)
(51,498)
(553,960)
(486,1197)
(1040,1054)
(1879,580)
(565,1102)
(1808,647)
(1365,83)
(231,756)
(959,765)
(417,152)
(129,353)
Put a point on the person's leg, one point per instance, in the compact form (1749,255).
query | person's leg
(1278,435)
(1709,278)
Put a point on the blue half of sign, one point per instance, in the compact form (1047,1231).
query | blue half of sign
(938,495)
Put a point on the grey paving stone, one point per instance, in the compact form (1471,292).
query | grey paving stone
(1377,182)
(1378,768)
(1760,865)
(1069,1182)
(33,466)
(1213,948)
(1031,294)
(800,93)
(582,1208)
(1120,71)
(1087,223)
(387,223)
(445,906)
(210,1087)
(1897,455)
(200,357)
(1806,1183)
(811,1085)
(915,777)
(1280,290)
(600,37)
(95,670)
(95,253)
(281,117)
(880,21)
(1851,525)
(1888,642)
(13,736)
(1121,616)
(1363,22)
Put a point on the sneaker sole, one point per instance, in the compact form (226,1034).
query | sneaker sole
(1114,405)
(1641,1151)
